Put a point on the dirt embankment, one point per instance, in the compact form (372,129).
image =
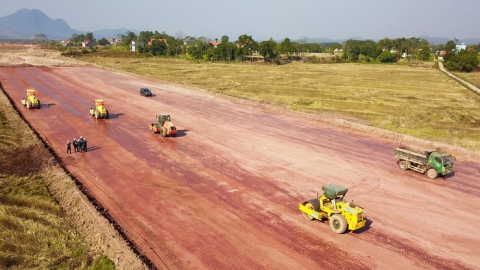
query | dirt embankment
(32,55)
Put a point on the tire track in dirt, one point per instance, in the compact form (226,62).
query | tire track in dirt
(272,224)
(412,251)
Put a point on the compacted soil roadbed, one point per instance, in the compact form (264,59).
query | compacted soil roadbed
(223,193)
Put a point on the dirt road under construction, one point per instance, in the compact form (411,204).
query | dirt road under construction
(224,193)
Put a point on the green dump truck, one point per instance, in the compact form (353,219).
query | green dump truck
(433,163)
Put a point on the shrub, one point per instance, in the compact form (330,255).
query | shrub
(387,57)
(463,61)
(71,53)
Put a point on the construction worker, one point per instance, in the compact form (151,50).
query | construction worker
(75,145)
(80,144)
(69,149)
(85,144)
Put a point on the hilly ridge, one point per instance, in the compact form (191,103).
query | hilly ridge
(27,23)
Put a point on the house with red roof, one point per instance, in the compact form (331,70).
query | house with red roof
(215,43)
(87,43)
(161,39)
(112,40)
(66,43)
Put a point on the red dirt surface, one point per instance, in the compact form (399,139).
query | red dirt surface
(223,194)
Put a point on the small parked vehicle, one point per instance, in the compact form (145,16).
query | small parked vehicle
(145,92)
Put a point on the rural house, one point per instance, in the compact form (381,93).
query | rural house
(87,43)
(112,41)
(161,39)
(66,43)
(136,44)
(441,54)
(460,47)
(215,43)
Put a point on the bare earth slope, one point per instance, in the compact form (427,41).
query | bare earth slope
(224,192)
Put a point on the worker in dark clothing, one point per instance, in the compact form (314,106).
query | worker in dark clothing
(69,149)
(85,144)
(75,145)
(80,144)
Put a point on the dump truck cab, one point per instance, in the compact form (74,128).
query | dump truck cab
(31,100)
(164,126)
(333,206)
(99,111)
(441,161)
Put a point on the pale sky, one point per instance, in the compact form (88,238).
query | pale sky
(262,19)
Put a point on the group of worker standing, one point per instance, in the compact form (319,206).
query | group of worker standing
(78,146)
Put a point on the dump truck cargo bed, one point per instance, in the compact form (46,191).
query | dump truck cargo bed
(411,154)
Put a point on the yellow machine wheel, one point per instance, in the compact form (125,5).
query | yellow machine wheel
(305,215)
(97,114)
(29,104)
(163,132)
(38,104)
(338,223)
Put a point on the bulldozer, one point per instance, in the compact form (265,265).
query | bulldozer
(333,206)
(164,125)
(31,100)
(99,111)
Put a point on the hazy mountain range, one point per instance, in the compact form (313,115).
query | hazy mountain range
(26,23)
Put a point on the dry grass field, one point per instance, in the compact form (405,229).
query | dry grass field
(414,99)
(473,77)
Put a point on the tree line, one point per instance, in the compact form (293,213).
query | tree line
(79,38)
(388,50)
(391,50)
(384,51)
(224,49)
(203,48)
